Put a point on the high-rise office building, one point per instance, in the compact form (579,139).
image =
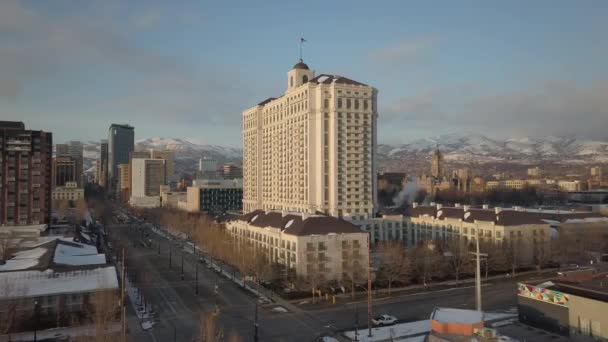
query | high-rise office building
(25,175)
(147,176)
(74,150)
(124,181)
(121,141)
(65,169)
(207,168)
(169,158)
(231,171)
(313,149)
(102,164)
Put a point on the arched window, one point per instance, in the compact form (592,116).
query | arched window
(356,104)
(304,79)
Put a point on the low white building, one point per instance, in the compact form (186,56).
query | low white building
(388,227)
(530,230)
(55,277)
(569,186)
(70,192)
(320,246)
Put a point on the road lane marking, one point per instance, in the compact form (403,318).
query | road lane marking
(167,301)
(419,294)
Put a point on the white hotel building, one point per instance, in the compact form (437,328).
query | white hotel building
(313,149)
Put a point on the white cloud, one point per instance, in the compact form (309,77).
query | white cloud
(536,108)
(404,51)
(43,47)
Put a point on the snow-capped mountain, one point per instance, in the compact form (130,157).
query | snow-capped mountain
(185,148)
(458,148)
(187,152)
(479,148)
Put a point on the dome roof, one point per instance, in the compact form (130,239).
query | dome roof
(300,65)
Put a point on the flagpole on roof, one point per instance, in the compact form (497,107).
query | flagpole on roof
(302,40)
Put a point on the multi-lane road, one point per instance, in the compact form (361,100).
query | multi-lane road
(178,307)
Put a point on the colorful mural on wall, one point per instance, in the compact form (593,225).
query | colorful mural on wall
(543,294)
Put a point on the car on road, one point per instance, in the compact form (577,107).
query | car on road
(384,320)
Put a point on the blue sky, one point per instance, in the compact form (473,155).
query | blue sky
(188,68)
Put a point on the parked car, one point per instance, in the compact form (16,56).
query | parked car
(384,320)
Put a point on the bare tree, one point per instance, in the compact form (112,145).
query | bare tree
(103,313)
(458,257)
(62,207)
(428,262)
(496,259)
(10,318)
(7,246)
(512,249)
(209,331)
(396,264)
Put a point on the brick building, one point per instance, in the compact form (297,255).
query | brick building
(25,175)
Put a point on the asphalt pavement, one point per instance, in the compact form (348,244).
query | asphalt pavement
(178,307)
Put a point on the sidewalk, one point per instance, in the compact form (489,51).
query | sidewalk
(396,292)
(265,296)
(145,317)
(292,305)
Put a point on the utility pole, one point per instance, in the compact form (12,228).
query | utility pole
(369,287)
(182,254)
(122,299)
(477,270)
(196,272)
(255,324)
(356,323)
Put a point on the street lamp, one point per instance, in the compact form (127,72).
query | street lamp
(430,247)
(182,254)
(196,271)
(255,324)
(356,323)
(37,320)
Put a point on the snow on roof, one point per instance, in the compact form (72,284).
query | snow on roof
(449,315)
(77,254)
(44,283)
(545,284)
(23,260)
(86,236)
(39,241)
(587,220)
(554,222)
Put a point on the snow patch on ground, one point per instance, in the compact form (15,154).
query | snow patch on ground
(417,331)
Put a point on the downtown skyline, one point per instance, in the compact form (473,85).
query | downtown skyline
(188,71)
